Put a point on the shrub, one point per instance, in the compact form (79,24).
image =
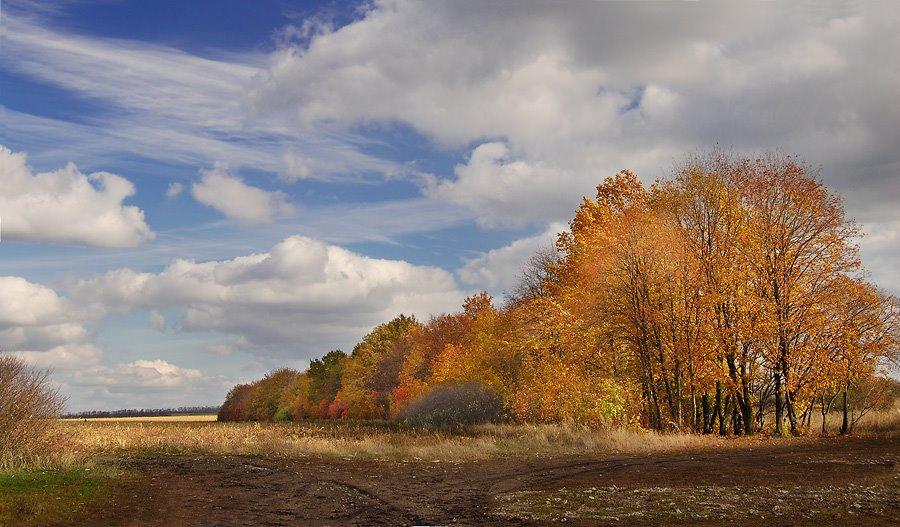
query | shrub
(29,406)
(282,414)
(455,405)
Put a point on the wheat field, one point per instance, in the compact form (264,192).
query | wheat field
(154,419)
(381,441)
(360,440)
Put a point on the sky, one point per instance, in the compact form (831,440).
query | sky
(195,193)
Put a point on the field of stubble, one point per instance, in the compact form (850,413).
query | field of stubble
(199,472)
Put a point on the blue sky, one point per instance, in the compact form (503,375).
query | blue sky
(197,192)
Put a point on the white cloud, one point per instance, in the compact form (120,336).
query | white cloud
(161,103)
(35,318)
(174,189)
(237,200)
(556,99)
(23,303)
(47,331)
(143,383)
(144,373)
(64,357)
(43,328)
(499,269)
(66,206)
(501,190)
(299,299)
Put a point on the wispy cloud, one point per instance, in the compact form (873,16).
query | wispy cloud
(167,105)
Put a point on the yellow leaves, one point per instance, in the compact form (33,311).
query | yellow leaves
(554,389)
(729,272)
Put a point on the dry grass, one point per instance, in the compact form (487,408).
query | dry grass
(369,441)
(378,440)
(881,422)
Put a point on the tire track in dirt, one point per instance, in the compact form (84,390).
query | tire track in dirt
(189,491)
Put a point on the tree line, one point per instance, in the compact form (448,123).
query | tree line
(728,297)
(143,412)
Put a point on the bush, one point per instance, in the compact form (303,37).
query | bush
(29,406)
(282,415)
(455,405)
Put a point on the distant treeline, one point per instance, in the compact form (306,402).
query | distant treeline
(145,412)
(727,298)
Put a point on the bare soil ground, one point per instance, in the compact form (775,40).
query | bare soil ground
(843,482)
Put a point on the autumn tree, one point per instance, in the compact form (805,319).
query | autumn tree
(799,244)
(373,369)
(705,204)
(723,294)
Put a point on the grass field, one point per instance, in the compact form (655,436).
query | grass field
(53,496)
(116,471)
(156,419)
(382,440)
(369,440)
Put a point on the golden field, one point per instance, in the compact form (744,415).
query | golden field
(365,440)
(77,440)
(156,419)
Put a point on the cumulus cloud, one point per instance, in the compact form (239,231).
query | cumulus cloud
(65,357)
(142,383)
(66,206)
(237,200)
(49,331)
(43,328)
(499,269)
(143,373)
(553,100)
(500,190)
(25,303)
(34,317)
(298,299)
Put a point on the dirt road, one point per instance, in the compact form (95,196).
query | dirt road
(839,482)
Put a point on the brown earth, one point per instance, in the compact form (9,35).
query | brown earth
(829,482)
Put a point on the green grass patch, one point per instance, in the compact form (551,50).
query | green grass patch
(52,496)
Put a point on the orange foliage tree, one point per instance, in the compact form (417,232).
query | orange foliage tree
(727,296)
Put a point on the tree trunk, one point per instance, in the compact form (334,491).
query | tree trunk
(736,419)
(845,422)
(747,406)
(788,395)
(760,413)
(725,410)
(707,415)
(694,409)
(718,407)
(741,398)
(791,412)
(779,416)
